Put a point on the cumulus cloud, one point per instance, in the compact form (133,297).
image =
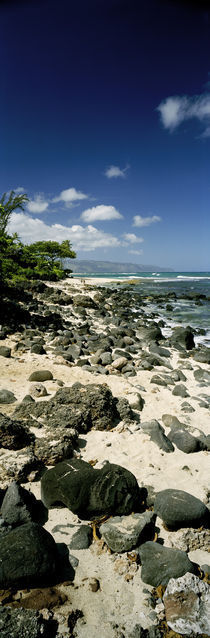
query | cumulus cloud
(100,213)
(37,205)
(116,171)
(132,238)
(82,238)
(140,221)
(177,109)
(70,195)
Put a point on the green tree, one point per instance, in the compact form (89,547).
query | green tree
(8,206)
(41,260)
(52,250)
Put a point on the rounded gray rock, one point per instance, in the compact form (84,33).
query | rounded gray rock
(7,397)
(184,441)
(5,352)
(41,375)
(160,563)
(180,509)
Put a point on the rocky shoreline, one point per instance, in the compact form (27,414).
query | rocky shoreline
(104,519)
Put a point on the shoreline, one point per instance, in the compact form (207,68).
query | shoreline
(120,600)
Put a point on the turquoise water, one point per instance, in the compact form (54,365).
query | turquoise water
(184,311)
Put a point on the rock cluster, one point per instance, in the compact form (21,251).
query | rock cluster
(101,334)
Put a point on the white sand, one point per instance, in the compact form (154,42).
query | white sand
(118,601)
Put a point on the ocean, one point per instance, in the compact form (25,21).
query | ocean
(193,312)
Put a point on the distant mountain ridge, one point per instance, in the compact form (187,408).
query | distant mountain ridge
(91,266)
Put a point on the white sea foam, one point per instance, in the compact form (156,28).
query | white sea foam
(193,278)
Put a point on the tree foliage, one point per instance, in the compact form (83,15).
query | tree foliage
(40,260)
(7,207)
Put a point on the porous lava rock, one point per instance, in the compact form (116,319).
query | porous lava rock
(123,533)
(28,556)
(179,509)
(187,605)
(25,623)
(14,434)
(90,492)
(79,406)
(56,447)
(84,301)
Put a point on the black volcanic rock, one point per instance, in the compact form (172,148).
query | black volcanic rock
(81,407)
(14,434)
(18,506)
(28,556)
(25,623)
(183,337)
(88,492)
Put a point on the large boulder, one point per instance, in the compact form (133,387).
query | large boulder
(89,492)
(184,337)
(160,563)
(79,406)
(179,509)
(28,556)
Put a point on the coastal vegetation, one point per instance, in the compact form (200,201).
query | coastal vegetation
(18,262)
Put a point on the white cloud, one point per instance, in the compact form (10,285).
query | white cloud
(69,196)
(135,252)
(19,189)
(176,109)
(100,213)
(116,171)
(82,238)
(132,238)
(37,205)
(140,221)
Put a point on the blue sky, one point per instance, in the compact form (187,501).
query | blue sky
(105,124)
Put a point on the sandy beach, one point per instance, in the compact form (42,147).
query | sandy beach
(107,586)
